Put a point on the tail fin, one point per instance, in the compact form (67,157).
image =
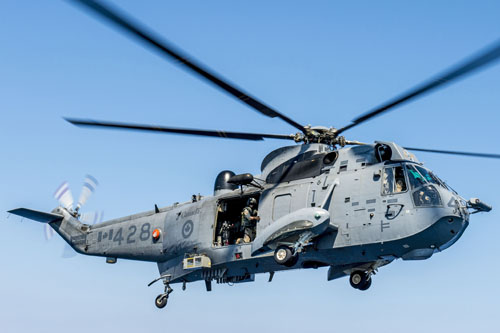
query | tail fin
(36,215)
(68,227)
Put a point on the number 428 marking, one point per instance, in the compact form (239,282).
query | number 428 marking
(144,234)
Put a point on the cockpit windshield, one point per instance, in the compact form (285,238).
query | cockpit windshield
(423,184)
(419,176)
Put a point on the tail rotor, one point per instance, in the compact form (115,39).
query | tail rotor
(89,186)
(89,218)
(92,218)
(48,232)
(64,196)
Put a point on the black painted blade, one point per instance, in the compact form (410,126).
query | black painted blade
(176,130)
(180,57)
(450,152)
(480,60)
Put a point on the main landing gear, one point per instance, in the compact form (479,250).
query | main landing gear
(161,300)
(284,255)
(288,255)
(360,280)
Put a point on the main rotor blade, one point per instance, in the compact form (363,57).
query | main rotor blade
(480,60)
(187,131)
(450,152)
(181,58)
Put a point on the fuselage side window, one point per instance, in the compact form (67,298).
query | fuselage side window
(394,180)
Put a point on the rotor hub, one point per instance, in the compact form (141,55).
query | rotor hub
(320,134)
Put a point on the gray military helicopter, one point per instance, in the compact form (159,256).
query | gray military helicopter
(327,201)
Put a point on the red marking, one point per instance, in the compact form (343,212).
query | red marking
(156,234)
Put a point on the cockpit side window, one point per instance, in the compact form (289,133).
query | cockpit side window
(394,180)
(400,180)
(388,181)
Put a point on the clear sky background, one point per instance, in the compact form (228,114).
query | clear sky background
(319,62)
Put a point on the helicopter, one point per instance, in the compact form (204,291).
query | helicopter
(325,202)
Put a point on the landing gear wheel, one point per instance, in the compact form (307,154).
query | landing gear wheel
(161,301)
(358,279)
(367,284)
(283,255)
(293,260)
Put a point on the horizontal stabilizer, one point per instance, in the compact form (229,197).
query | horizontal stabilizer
(36,215)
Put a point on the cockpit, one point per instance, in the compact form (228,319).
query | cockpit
(422,183)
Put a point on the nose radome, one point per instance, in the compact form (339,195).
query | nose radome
(448,230)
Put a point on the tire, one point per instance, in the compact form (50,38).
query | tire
(282,255)
(293,260)
(367,284)
(357,279)
(161,301)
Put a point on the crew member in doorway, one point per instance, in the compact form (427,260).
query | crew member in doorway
(249,219)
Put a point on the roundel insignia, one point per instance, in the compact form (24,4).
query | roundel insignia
(187,229)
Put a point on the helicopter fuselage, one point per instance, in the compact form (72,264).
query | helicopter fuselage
(378,211)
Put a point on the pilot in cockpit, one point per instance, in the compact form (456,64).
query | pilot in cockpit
(399,177)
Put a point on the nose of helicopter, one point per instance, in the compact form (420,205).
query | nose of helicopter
(448,230)
(452,222)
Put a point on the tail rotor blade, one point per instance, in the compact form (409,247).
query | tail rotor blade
(64,196)
(48,232)
(89,186)
(68,252)
(92,218)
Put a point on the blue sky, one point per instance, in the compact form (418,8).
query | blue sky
(321,63)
